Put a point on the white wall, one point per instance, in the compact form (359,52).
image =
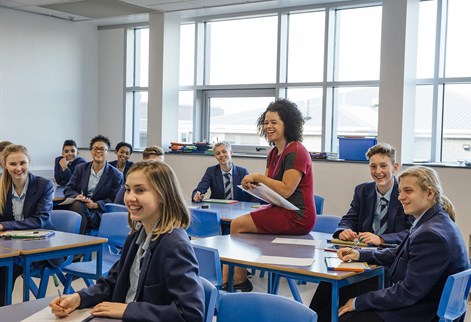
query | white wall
(48,83)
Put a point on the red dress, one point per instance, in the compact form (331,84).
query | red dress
(276,220)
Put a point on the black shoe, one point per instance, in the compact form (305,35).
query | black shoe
(245,286)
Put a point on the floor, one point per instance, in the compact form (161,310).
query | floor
(260,285)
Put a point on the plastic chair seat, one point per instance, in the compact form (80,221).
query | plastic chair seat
(454,297)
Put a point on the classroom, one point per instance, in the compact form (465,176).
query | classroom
(66,75)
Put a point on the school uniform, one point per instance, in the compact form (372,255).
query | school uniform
(360,216)
(168,286)
(63,176)
(127,166)
(212,179)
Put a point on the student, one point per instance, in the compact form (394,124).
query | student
(417,270)
(65,164)
(156,278)
(25,203)
(288,172)
(3,145)
(123,151)
(376,215)
(93,184)
(150,153)
(224,174)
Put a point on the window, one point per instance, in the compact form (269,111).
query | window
(137,74)
(443,102)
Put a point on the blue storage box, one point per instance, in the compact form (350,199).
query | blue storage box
(354,148)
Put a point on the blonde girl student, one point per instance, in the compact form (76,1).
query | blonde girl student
(156,278)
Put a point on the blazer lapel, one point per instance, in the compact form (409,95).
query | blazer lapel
(371,196)
(103,179)
(85,178)
(145,265)
(392,209)
(219,182)
(32,190)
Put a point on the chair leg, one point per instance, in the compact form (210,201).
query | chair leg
(68,284)
(294,290)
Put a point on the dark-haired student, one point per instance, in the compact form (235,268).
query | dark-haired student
(25,203)
(93,184)
(65,164)
(123,152)
(417,270)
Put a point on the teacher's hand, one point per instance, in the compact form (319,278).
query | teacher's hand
(250,180)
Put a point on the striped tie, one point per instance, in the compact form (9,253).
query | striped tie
(227,186)
(383,218)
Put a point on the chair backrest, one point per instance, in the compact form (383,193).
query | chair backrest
(326,224)
(115,227)
(262,307)
(454,296)
(210,299)
(115,207)
(204,223)
(209,264)
(66,220)
(319,203)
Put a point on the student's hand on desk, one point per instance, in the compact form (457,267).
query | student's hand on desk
(348,307)
(348,254)
(113,310)
(62,308)
(348,234)
(370,238)
(198,196)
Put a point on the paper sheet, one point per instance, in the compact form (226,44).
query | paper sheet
(67,201)
(45,315)
(297,241)
(278,260)
(266,194)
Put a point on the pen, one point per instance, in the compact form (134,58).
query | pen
(355,246)
(56,283)
(89,318)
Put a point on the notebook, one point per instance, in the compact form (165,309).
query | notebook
(336,264)
(26,234)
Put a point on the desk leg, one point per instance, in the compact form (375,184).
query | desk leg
(99,263)
(9,288)
(26,278)
(230,279)
(335,301)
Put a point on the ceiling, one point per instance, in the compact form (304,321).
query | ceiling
(110,12)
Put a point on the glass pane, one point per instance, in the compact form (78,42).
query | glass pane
(242,51)
(140,120)
(357,109)
(305,49)
(458,48)
(423,123)
(426,39)
(309,101)
(359,43)
(457,123)
(187,54)
(234,119)
(142,58)
(185,117)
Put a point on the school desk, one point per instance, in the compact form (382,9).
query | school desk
(244,250)
(6,260)
(61,244)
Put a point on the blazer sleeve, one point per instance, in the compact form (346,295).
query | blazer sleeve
(183,285)
(114,182)
(39,213)
(73,189)
(204,184)
(351,219)
(61,176)
(424,263)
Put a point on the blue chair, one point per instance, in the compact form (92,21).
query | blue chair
(65,221)
(326,224)
(113,226)
(115,207)
(204,223)
(261,307)
(209,264)
(319,204)
(454,296)
(211,295)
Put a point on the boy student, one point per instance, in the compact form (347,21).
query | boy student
(65,164)
(375,215)
(222,178)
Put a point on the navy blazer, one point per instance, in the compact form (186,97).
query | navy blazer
(36,208)
(168,289)
(62,177)
(418,270)
(213,180)
(361,214)
(107,188)
(127,166)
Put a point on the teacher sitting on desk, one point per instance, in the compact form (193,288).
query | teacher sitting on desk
(417,269)
(288,173)
(25,203)
(93,184)
(222,178)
